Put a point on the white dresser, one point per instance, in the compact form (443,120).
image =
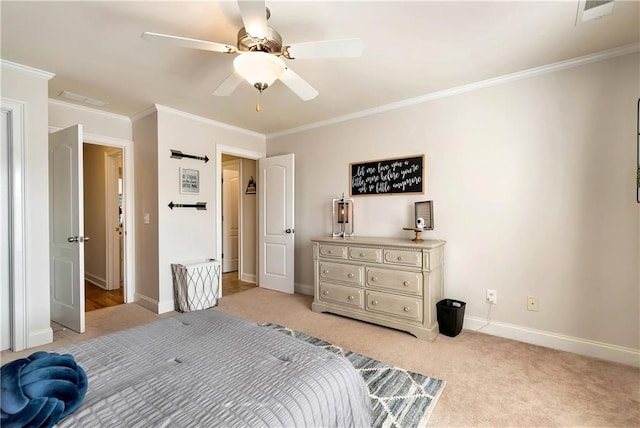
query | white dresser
(387,281)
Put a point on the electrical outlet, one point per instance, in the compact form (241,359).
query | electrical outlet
(492,296)
(532,303)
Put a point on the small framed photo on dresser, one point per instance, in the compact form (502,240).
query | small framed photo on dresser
(424,214)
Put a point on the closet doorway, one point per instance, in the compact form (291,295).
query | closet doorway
(239,224)
(103,223)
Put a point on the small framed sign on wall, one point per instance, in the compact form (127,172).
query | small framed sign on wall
(189,181)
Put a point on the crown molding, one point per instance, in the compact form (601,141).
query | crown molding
(525,74)
(144,113)
(86,109)
(25,69)
(160,108)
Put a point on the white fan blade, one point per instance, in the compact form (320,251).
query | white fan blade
(254,17)
(229,85)
(185,42)
(298,85)
(344,48)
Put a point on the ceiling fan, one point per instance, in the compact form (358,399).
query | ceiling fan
(260,51)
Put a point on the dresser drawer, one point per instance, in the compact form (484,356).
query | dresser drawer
(397,280)
(397,306)
(340,272)
(349,296)
(403,257)
(337,251)
(366,254)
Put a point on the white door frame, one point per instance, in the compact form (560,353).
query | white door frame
(234,151)
(128,214)
(19,321)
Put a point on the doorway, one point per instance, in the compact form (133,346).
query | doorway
(230,212)
(103,223)
(239,223)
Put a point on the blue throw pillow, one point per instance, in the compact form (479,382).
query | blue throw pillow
(40,390)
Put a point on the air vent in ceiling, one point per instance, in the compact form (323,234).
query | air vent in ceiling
(83,99)
(589,10)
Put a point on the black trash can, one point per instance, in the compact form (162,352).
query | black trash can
(450,316)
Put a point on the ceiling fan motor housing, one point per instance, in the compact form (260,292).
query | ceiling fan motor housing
(272,43)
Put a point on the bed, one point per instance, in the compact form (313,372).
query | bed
(212,369)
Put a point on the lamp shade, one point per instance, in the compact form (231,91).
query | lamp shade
(260,69)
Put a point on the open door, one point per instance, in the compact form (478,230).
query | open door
(66,228)
(276,223)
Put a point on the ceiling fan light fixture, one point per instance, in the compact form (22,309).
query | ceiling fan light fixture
(260,69)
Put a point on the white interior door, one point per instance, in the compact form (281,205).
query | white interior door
(276,222)
(66,228)
(230,200)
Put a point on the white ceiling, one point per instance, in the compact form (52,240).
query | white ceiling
(411,49)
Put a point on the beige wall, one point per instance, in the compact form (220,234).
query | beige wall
(533,183)
(181,235)
(30,88)
(145,137)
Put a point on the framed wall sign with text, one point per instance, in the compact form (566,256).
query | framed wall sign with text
(388,176)
(189,181)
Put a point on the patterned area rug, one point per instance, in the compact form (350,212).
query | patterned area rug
(399,398)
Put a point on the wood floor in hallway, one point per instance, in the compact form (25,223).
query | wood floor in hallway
(98,298)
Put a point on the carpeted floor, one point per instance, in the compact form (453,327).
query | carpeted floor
(490,381)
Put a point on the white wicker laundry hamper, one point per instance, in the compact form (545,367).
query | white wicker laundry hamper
(196,285)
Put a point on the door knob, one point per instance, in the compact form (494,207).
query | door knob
(77,238)
(289,231)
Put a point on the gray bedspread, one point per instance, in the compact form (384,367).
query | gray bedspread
(211,369)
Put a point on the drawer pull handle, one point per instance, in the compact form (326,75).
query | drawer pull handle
(330,252)
(406,308)
(351,297)
(326,271)
(362,254)
(325,292)
(375,302)
(406,283)
(399,258)
(374,278)
(350,275)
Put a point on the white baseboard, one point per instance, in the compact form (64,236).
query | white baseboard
(248,277)
(560,342)
(147,302)
(95,280)
(153,305)
(166,306)
(40,337)
(303,289)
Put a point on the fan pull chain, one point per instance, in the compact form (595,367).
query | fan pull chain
(258,102)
